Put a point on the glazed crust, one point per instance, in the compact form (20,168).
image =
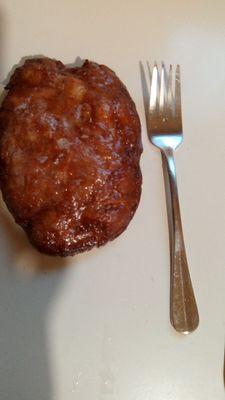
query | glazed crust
(70,147)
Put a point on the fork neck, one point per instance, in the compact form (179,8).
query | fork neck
(169,156)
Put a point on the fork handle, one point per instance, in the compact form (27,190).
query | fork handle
(183,309)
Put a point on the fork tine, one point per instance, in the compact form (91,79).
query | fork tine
(170,90)
(149,71)
(162,92)
(154,90)
(178,93)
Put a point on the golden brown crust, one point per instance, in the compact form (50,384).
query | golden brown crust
(70,147)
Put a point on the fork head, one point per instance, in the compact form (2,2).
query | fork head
(164,117)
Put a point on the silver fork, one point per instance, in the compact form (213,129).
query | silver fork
(164,122)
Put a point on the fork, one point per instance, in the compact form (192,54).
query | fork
(164,123)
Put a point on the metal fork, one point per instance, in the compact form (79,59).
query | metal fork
(164,122)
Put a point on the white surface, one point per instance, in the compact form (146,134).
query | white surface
(99,329)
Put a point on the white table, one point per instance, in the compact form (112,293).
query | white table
(99,329)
